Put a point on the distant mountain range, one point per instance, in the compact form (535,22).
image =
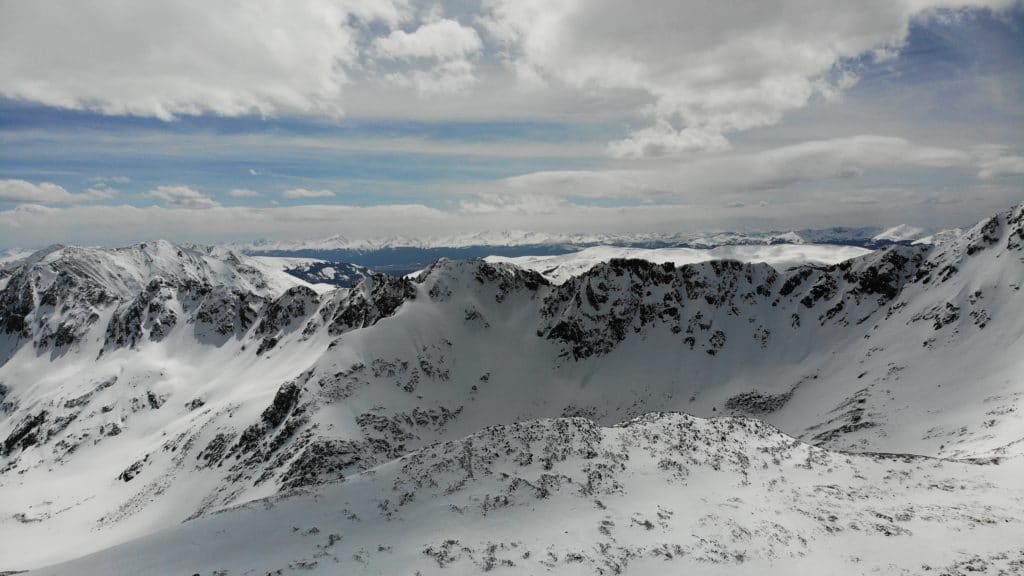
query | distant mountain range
(401,256)
(865,236)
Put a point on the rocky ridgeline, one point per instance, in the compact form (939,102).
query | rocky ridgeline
(61,301)
(590,314)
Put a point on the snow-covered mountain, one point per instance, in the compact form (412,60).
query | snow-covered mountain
(901,233)
(455,422)
(561,267)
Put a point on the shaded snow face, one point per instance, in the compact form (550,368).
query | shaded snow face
(145,386)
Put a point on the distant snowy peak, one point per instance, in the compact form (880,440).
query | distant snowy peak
(559,268)
(901,233)
(128,269)
(54,298)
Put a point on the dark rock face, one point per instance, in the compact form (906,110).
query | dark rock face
(755,402)
(147,313)
(222,313)
(17,301)
(285,400)
(375,298)
(322,461)
(215,451)
(591,314)
(989,235)
(25,434)
(295,304)
(507,283)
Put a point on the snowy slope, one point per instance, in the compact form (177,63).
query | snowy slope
(667,493)
(129,406)
(323,275)
(560,268)
(900,233)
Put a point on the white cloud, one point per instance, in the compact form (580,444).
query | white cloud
(449,77)
(716,68)
(438,56)
(21,191)
(182,197)
(304,193)
(243,193)
(1001,166)
(528,203)
(779,171)
(664,140)
(441,40)
(695,73)
(997,162)
(185,57)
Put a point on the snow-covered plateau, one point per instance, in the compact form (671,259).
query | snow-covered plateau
(190,410)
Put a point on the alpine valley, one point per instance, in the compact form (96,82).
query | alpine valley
(761,408)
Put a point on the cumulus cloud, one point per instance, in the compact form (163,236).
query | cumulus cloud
(304,193)
(714,69)
(443,39)
(697,73)
(438,54)
(182,197)
(21,191)
(186,57)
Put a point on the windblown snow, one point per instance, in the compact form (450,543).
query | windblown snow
(178,409)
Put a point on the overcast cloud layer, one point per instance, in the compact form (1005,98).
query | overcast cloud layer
(121,120)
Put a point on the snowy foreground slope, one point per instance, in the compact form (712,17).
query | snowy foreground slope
(666,493)
(150,385)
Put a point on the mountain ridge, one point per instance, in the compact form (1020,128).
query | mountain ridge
(301,388)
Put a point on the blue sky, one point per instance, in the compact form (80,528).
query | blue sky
(451,118)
